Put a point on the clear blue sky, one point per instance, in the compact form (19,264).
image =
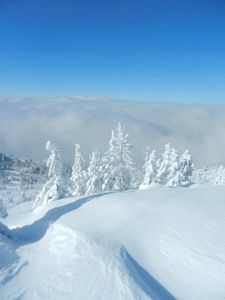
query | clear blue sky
(168,50)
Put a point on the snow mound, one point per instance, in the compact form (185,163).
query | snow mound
(157,243)
(66,264)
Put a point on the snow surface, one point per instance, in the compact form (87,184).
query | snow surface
(157,243)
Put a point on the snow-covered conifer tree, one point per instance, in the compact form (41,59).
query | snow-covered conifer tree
(118,165)
(137,177)
(53,189)
(150,167)
(164,165)
(219,175)
(180,169)
(186,165)
(94,174)
(174,177)
(78,177)
(108,179)
(176,180)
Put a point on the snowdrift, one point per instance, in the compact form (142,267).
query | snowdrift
(157,243)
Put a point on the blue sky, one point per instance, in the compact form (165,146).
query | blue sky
(159,50)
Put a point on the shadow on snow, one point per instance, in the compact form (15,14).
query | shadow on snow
(34,232)
(145,280)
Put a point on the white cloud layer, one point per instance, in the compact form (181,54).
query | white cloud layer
(26,124)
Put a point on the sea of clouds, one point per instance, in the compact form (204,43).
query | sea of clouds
(27,123)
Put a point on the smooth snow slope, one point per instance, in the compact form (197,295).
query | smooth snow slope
(159,243)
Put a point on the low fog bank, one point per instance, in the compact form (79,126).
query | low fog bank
(26,124)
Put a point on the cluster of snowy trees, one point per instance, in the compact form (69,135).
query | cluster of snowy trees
(113,171)
(170,170)
(210,175)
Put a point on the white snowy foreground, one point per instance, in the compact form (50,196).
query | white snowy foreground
(158,243)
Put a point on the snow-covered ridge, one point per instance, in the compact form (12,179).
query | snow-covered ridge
(159,243)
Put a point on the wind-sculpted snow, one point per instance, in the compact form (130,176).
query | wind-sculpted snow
(148,283)
(78,267)
(34,232)
(158,243)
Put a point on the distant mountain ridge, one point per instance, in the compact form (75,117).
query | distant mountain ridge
(20,178)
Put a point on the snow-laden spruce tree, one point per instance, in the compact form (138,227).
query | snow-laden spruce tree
(150,167)
(94,174)
(174,177)
(78,176)
(219,175)
(54,188)
(118,165)
(180,169)
(164,165)
(186,166)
